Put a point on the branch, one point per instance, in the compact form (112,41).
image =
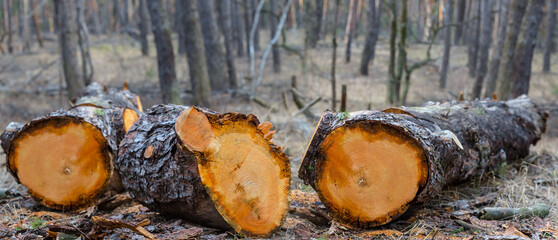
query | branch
(251,40)
(270,44)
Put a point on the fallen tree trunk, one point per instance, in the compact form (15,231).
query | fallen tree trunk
(218,170)
(65,159)
(369,167)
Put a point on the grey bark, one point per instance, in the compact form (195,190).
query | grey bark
(179,29)
(550,25)
(448,16)
(225,21)
(213,46)
(485,41)
(253,5)
(273,28)
(351,19)
(474,40)
(143,27)
(247,24)
(461,5)
(237,28)
(26,37)
(497,54)
(313,11)
(165,56)
(525,48)
(374,23)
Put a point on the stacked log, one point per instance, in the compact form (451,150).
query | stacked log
(65,159)
(369,167)
(219,170)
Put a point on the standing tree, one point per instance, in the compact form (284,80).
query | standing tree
(273,29)
(143,27)
(237,28)
(505,70)
(165,56)
(525,48)
(448,16)
(225,21)
(253,9)
(179,29)
(213,46)
(550,21)
(24,25)
(485,41)
(497,54)
(67,34)
(474,39)
(313,11)
(350,28)
(36,23)
(8,24)
(461,5)
(374,23)
(195,52)
(247,24)
(334,57)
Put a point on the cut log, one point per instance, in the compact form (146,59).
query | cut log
(65,158)
(369,167)
(218,170)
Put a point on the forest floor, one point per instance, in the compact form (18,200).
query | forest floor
(30,87)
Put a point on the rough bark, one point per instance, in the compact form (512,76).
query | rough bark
(505,70)
(455,141)
(474,40)
(67,34)
(106,114)
(447,44)
(164,167)
(461,6)
(374,25)
(195,52)
(484,48)
(143,27)
(214,53)
(525,48)
(497,54)
(273,28)
(550,25)
(225,21)
(165,56)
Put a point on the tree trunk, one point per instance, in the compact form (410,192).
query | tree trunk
(8,24)
(97,29)
(349,30)
(24,25)
(525,48)
(334,57)
(71,178)
(165,56)
(68,33)
(461,6)
(218,170)
(551,20)
(36,23)
(437,145)
(253,6)
(474,40)
(247,24)
(179,28)
(313,11)
(298,15)
(392,49)
(447,43)
(497,54)
(213,46)
(485,42)
(505,70)
(237,28)
(374,25)
(143,23)
(273,28)
(225,21)
(195,52)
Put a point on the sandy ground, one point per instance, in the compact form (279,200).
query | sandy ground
(30,87)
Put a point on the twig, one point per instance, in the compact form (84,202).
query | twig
(308,106)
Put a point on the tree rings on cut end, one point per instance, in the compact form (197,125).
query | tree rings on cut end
(63,161)
(369,173)
(247,177)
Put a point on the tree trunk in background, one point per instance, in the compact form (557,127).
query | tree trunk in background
(143,23)
(349,29)
(497,54)
(26,37)
(67,31)
(356,20)
(334,57)
(461,5)
(225,21)
(485,42)
(116,16)
(505,70)
(195,51)
(247,24)
(313,11)
(36,23)
(323,28)
(20,15)
(273,28)
(474,40)
(165,56)
(237,28)
(97,29)
(179,29)
(525,48)
(213,46)
(8,15)
(392,48)
(420,20)
(374,22)
(253,6)
(550,25)
(448,16)
(123,15)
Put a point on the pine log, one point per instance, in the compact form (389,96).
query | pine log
(369,167)
(218,170)
(65,159)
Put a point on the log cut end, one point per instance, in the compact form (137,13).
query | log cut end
(247,177)
(369,172)
(63,161)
